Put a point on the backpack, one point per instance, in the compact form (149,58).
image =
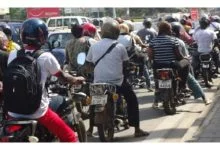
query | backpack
(22,89)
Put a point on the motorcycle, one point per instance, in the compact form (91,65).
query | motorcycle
(168,89)
(109,107)
(206,65)
(25,130)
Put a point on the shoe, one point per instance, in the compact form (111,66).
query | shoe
(89,133)
(208,85)
(155,105)
(207,102)
(150,89)
(141,133)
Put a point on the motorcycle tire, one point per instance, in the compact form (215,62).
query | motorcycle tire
(106,134)
(206,77)
(80,129)
(169,104)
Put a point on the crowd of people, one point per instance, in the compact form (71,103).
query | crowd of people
(150,48)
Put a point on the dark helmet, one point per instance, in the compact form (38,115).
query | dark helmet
(204,22)
(183,21)
(6,29)
(110,29)
(147,22)
(176,28)
(215,18)
(34,32)
(171,19)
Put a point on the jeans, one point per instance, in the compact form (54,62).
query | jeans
(147,76)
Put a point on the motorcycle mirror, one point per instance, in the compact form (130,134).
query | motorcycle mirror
(81,58)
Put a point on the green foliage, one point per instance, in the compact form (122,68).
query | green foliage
(18,14)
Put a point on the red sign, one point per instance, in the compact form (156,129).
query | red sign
(194,14)
(42,12)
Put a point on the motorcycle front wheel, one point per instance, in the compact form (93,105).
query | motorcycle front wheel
(80,129)
(106,134)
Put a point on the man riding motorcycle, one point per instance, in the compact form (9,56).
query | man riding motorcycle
(110,70)
(207,41)
(148,33)
(167,55)
(34,33)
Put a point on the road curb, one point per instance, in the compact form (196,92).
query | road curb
(192,134)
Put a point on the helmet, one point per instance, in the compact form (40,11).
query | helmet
(215,18)
(130,25)
(6,29)
(124,28)
(183,21)
(204,22)
(89,29)
(119,20)
(34,32)
(110,29)
(171,19)
(147,22)
(176,28)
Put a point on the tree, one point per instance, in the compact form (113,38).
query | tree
(17,14)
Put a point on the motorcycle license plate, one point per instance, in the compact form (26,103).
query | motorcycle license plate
(99,99)
(164,84)
(205,65)
(77,87)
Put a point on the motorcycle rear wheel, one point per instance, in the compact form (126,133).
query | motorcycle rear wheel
(169,104)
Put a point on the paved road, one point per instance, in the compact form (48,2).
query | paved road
(162,128)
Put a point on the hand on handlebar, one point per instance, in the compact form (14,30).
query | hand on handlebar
(78,80)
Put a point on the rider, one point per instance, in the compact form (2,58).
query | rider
(192,83)
(110,69)
(206,40)
(148,33)
(167,55)
(11,44)
(34,33)
(83,37)
(129,42)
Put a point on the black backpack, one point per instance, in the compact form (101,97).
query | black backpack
(22,89)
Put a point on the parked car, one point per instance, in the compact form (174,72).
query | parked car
(63,22)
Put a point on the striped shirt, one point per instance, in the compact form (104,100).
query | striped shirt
(163,48)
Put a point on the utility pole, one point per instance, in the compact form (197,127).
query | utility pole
(128,12)
(114,12)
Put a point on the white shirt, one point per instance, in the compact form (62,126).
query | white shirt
(214,26)
(125,40)
(49,66)
(110,68)
(204,40)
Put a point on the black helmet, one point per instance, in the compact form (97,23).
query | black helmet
(176,28)
(6,29)
(110,29)
(183,21)
(171,19)
(147,22)
(204,22)
(34,32)
(215,18)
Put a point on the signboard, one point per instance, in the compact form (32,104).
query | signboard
(42,12)
(4,11)
(194,12)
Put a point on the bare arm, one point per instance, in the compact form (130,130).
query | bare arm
(66,77)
